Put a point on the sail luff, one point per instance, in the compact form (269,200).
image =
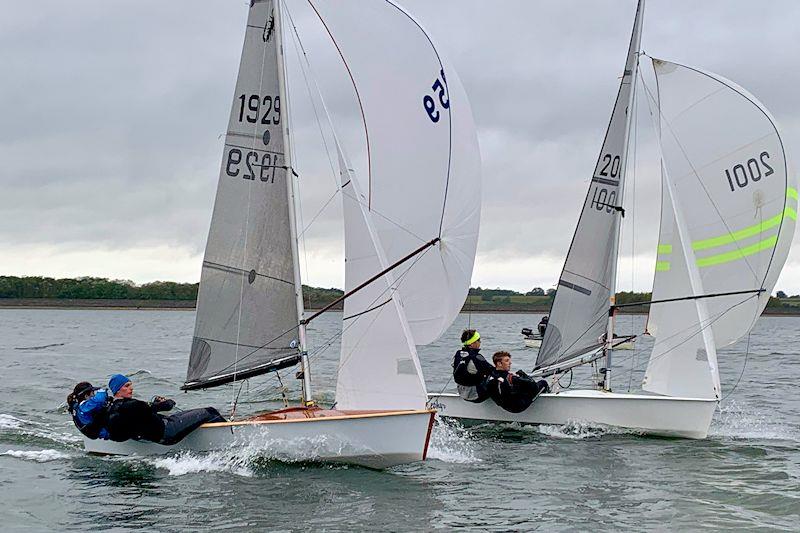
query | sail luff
(293,206)
(632,71)
(586,286)
(246,313)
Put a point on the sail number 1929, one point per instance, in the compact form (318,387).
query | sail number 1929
(253,108)
(742,174)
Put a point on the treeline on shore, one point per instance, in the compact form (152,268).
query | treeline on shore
(88,288)
(27,290)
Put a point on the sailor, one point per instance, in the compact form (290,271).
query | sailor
(512,392)
(129,418)
(470,369)
(89,409)
(542,326)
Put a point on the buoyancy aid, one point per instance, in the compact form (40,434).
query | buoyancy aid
(91,415)
(514,393)
(129,418)
(470,368)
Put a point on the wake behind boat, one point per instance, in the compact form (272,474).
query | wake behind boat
(406,271)
(728,212)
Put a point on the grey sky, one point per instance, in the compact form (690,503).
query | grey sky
(112,114)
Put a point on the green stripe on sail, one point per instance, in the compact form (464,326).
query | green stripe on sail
(749,231)
(665,248)
(662,266)
(727,257)
(791,192)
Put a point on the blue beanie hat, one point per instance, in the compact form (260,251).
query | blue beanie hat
(116,382)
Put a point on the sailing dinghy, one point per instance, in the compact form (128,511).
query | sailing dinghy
(728,212)
(407,271)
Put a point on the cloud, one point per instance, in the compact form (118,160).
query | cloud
(112,113)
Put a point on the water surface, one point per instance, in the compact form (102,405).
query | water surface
(746,475)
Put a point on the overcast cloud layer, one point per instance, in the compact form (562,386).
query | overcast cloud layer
(112,115)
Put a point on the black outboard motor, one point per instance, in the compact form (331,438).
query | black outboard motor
(527,331)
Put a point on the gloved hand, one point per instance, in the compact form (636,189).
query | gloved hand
(522,374)
(159,403)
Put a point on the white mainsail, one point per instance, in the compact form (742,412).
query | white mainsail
(587,283)
(246,313)
(423,175)
(728,217)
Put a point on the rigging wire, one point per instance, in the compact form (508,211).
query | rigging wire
(633,205)
(744,366)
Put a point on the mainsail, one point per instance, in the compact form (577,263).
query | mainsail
(247,317)
(728,217)
(587,283)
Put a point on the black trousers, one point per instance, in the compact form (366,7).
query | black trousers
(177,426)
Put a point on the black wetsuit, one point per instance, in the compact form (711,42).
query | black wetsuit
(134,419)
(470,370)
(513,392)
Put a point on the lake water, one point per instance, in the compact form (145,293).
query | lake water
(746,475)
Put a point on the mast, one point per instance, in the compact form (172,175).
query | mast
(293,210)
(631,70)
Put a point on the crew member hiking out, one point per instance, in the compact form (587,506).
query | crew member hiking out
(512,392)
(470,369)
(129,418)
(89,409)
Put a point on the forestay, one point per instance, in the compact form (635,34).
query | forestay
(728,217)
(422,178)
(587,283)
(246,312)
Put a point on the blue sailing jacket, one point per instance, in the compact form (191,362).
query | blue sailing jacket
(91,415)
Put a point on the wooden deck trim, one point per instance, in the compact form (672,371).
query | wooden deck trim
(321,418)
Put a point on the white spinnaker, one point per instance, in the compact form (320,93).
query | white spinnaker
(727,170)
(587,283)
(423,175)
(379,367)
(246,312)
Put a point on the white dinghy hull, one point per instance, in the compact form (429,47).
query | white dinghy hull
(533,341)
(378,439)
(651,415)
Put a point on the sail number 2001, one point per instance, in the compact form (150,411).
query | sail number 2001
(743,174)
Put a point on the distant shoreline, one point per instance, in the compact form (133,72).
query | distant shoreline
(189,305)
